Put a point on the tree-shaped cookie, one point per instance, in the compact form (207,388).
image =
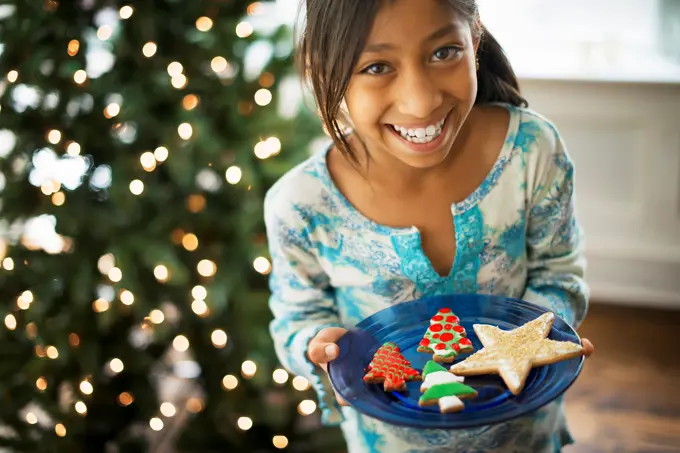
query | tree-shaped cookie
(444,388)
(391,368)
(512,354)
(445,339)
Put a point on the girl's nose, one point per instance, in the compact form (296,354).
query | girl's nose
(417,94)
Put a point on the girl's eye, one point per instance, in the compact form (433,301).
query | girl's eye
(446,53)
(376,69)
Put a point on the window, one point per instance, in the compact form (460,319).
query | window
(588,39)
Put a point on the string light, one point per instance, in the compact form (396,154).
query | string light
(73,149)
(149,49)
(111,110)
(125,12)
(254,8)
(206,268)
(10,322)
(244,29)
(126,297)
(280,442)
(156,424)
(180,343)
(267,148)
(179,81)
(306,407)
(104,32)
(80,76)
(244,423)
(199,292)
(116,365)
(50,187)
(233,175)
(219,64)
(86,388)
(248,369)
(31,330)
(81,408)
(266,79)
(31,418)
(41,384)
(58,198)
(168,409)
(8,263)
(54,136)
(73,47)
(115,275)
(161,153)
(190,242)
(60,430)
(73,339)
(262,265)
(52,352)
(218,338)
(148,161)
(156,316)
(185,131)
(23,302)
(161,273)
(100,305)
(280,376)
(190,102)
(300,383)
(125,399)
(229,382)
(106,262)
(204,23)
(136,187)
(12,76)
(263,97)
(175,68)
(196,203)
(199,307)
(39,351)
(194,405)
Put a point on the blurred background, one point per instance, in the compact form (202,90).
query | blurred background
(137,140)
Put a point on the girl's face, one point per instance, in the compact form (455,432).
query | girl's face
(414,83)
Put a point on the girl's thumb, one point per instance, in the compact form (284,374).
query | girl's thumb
(321,353)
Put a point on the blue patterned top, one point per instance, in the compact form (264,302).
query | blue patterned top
(516,235)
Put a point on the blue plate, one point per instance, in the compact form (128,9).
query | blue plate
(404,324)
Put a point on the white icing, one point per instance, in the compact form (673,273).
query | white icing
(442,351)
(439,377)
(450,403)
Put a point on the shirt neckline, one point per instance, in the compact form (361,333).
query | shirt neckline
(457,208)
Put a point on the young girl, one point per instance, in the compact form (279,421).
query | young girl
(439,181)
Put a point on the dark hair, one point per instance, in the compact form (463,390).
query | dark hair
(335,34)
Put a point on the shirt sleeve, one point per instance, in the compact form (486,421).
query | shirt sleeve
(555,240)
(301,300)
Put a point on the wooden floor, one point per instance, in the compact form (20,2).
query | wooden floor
(627,398)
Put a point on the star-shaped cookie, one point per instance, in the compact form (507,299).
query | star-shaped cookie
(512,354)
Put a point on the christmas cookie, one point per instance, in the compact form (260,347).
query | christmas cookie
(512,354)
(444,388)
(390,368)
(445,339)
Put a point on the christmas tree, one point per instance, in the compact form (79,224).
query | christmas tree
(137,141)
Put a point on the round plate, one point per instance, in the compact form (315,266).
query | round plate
(404,324)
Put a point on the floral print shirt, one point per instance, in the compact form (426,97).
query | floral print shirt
(516,236)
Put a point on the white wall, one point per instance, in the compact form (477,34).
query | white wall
(625,142)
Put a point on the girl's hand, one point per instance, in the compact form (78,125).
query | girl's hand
(322,349)
(588,346)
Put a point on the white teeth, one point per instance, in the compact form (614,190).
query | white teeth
(421,135)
